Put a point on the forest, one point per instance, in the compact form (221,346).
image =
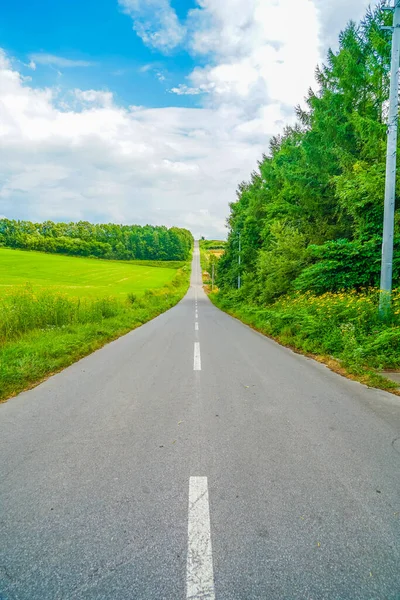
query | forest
(108,241)
(310,217)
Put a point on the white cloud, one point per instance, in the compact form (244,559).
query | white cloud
(185,90)
(156,22)
(263,52)
(107,163)
(334,14)
(92,159)
(94,97)
(146,68)
(259,51)
(154,68)
(56,61)
(160,76)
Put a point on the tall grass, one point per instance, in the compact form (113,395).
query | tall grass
(343,326)
(23,310)
(42,332)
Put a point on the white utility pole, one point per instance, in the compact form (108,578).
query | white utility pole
(391,157)
(240,260)
(212,277)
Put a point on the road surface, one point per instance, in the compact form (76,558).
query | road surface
(195,458)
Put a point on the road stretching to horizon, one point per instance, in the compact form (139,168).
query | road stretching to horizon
(195,458)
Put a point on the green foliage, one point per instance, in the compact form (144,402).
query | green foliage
(278,266)
(341,325)
(311,217)
(344,264)
(43,332)
(109,241)
(23,310)
(210,254)
(212,244)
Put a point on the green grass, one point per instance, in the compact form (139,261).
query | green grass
(45,326)
(341,329)
(81,277)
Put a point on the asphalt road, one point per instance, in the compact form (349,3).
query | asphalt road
(181,463)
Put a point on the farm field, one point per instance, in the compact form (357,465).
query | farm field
(81,277)
(56,309)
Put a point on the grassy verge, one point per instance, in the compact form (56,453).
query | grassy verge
(341,330)
(44,332)
(204,261)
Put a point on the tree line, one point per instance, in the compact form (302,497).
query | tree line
(109,241)
(310,217)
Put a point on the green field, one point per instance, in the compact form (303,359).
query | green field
(56,309)
(81,277)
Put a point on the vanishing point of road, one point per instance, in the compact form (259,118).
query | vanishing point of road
(194,458)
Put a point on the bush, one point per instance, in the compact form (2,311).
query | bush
(344,325)
(345,264)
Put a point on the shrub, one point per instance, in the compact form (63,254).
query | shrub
(345,325)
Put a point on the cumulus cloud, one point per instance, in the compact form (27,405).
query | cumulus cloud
(89,158)
(94,97)
(102,162)
(261,53)
(333,16)
(156,22)
(42,58)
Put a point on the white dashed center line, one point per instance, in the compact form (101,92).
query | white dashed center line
(197,359)
(199,572)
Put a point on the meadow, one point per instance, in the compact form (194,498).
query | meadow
(56,309)
(81,277)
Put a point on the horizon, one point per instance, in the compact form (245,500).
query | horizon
(150,112)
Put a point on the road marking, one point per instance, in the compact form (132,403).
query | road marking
(196,315)
(199,569)
(196,326)
(197,359)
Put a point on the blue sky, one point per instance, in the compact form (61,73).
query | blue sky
(100,33)
(150,111)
